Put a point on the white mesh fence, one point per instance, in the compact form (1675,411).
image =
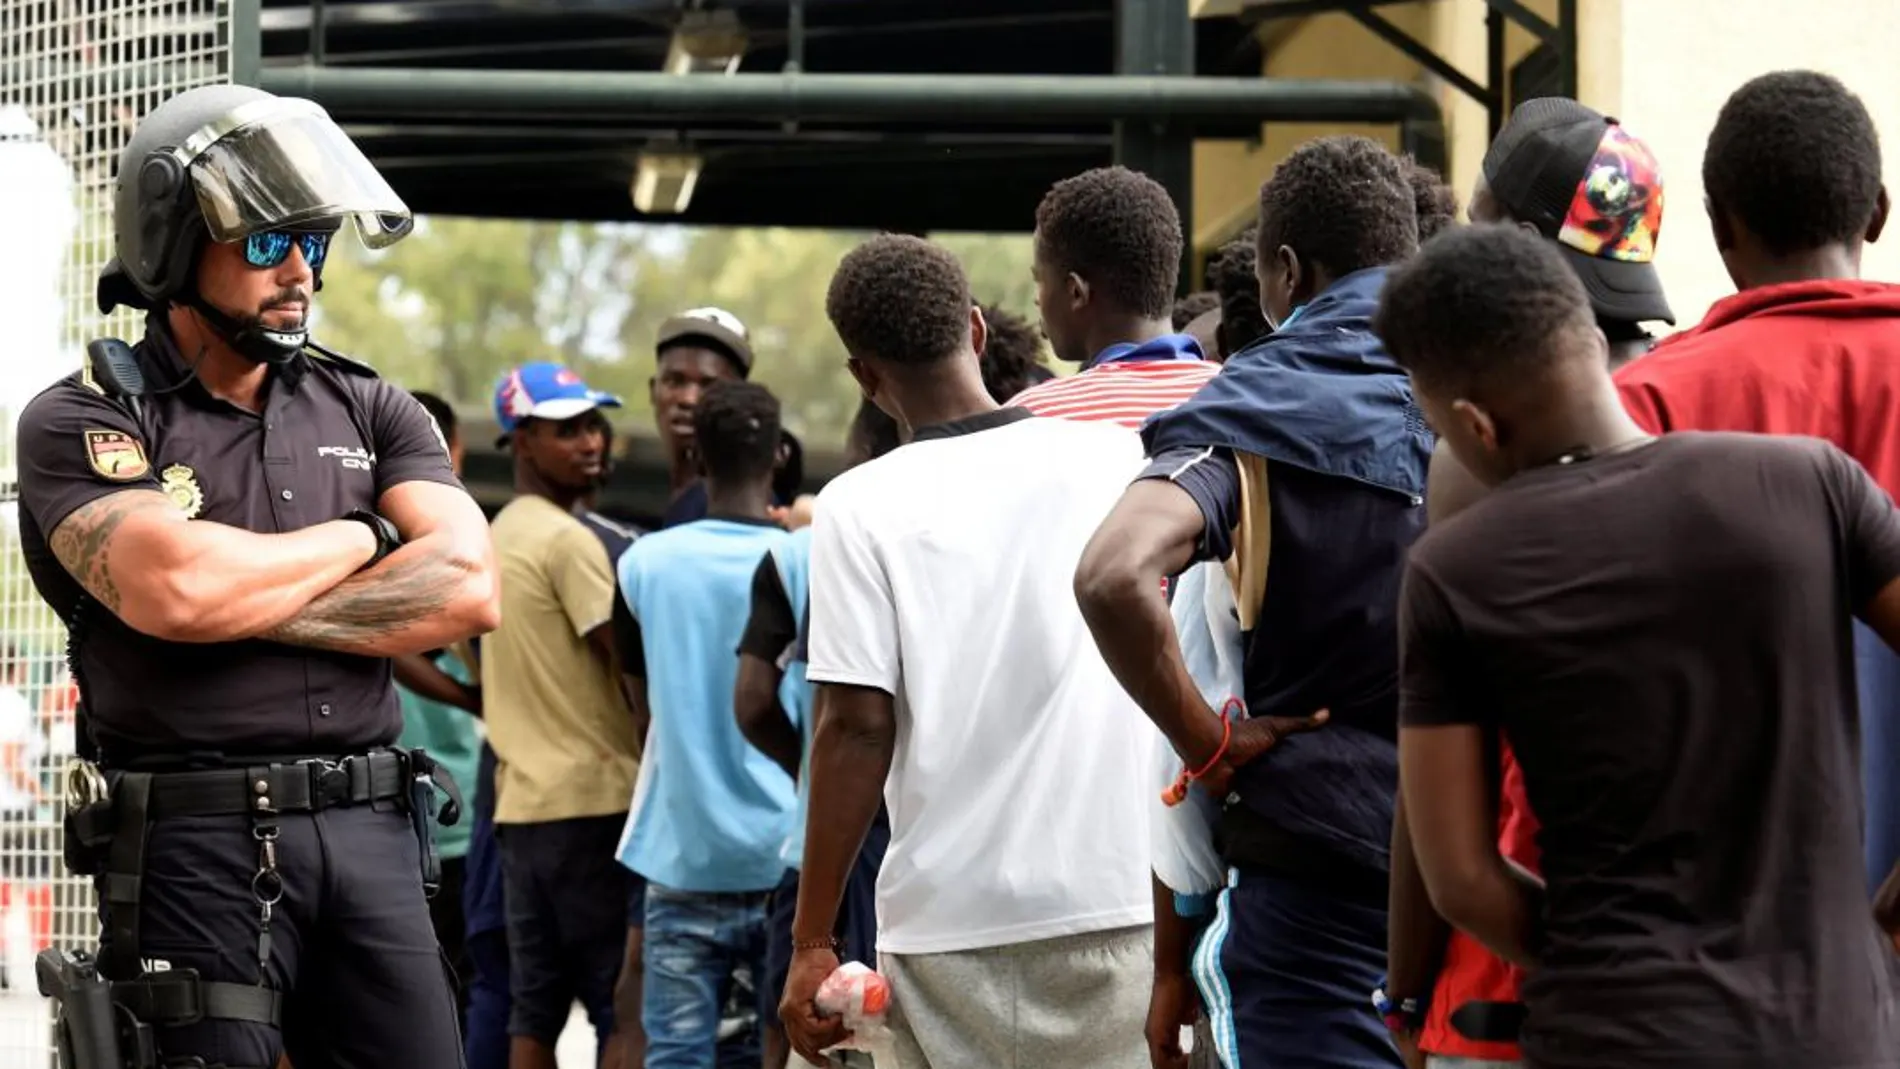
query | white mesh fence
(75,77)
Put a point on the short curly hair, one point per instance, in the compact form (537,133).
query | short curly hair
(1795,158)
(1193,306)
(736,427)
(1120,231)
(900,299)
(1012,356)
(1434,202)
(439,410)
(1342,203)
(874,431)
(1232,274)
(1483,306)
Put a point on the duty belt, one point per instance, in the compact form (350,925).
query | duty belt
(110,815)
(303,787)
(111,1002)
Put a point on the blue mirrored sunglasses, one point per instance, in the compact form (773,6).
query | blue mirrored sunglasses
(272,248)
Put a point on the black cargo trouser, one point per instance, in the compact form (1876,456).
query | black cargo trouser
(352,949)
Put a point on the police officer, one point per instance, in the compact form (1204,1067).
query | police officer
(238,545)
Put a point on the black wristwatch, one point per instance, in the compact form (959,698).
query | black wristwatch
(388,539)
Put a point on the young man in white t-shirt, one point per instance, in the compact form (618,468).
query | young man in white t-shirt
(955,673)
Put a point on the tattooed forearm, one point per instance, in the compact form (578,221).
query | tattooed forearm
(367,613)
(83,540)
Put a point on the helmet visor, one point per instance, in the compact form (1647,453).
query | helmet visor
(283,164)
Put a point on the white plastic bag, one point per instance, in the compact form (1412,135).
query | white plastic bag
(858,994)
(1182,836)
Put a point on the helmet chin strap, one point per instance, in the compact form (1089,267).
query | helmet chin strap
(253,341)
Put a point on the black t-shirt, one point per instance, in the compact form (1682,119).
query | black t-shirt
(1664,638)
(328,440)
(628,639)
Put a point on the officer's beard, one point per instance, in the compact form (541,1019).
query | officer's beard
(285,297)
(254,339)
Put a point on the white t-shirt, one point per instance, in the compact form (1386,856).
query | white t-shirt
(942,573)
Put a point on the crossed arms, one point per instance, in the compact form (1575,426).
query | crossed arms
(197,581)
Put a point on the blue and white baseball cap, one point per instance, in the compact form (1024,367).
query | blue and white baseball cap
(544,390)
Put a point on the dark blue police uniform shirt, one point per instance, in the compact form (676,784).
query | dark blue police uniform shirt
(328,441)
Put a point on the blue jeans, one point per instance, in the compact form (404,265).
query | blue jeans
(694,943)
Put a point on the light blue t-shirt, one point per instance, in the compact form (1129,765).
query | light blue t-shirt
(710,812)
(792,559)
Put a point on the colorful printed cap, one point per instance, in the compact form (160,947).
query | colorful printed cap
(544,390)
(1588,184)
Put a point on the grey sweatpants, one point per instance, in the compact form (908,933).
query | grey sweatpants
(1075,1002)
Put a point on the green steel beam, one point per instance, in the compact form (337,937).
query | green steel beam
(872,98)
(1155,38)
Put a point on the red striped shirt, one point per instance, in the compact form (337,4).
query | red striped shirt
(1125,392)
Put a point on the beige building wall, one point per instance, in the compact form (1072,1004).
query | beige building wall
(1228,174)
(1663,67)
(1691,54)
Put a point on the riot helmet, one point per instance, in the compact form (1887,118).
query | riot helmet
(223,163)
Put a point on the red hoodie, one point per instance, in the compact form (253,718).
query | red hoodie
(1469,973)
(1813,358)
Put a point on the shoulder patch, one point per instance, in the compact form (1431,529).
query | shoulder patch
(116,455)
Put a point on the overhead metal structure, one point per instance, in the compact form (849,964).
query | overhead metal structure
(910,115)
(897,114)
(1005,99)
(1550,69)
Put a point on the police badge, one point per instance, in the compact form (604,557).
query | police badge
(181,485)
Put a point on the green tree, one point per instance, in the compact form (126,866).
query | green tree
(454,305)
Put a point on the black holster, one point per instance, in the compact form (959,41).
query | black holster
(100,1024)
(86,1025)
(88,834)
(426,779)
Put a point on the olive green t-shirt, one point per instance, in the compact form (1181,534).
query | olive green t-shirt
(562,734)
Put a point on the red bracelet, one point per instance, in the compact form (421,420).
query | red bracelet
(1177,791)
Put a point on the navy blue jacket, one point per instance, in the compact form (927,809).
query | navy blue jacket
(1346,451)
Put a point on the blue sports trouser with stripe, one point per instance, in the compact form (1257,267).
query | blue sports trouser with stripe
(1877,670)
(1286,971)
